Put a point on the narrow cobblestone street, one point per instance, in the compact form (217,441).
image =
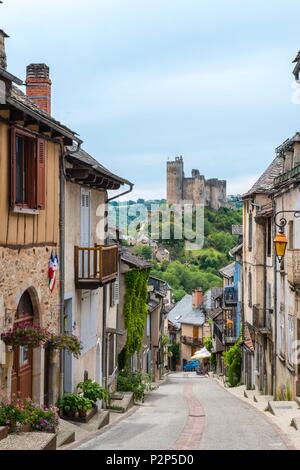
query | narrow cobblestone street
(189,412)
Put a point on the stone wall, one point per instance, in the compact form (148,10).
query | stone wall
(20,271)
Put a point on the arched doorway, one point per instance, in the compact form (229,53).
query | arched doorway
(21,384)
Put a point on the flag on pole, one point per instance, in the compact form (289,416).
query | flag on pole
(53,268)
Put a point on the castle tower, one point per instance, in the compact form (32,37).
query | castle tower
(175,177)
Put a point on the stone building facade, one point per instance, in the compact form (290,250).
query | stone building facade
(195,189)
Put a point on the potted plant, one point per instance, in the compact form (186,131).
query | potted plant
(26,334)
(69,404)
(72,403)
(84,405)
(93,391)
(67,342)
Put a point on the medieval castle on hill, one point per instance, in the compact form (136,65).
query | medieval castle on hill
(196,190)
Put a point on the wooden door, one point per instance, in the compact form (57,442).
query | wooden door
(22,372)
(195,332)
(23,355)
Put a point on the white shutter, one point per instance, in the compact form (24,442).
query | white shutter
(85,219)
(117,291)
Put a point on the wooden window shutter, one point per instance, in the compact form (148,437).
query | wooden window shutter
(41,174)
(13,165)
(117,290)
(31,172)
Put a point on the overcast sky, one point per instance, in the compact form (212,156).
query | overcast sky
(142,81)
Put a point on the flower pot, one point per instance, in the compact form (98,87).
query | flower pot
(25,428)
(71,414)
(82,414)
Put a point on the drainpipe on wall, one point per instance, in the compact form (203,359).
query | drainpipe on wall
(62,207)
(265,311)
(275,311)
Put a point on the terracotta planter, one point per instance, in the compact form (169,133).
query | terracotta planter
(25,428)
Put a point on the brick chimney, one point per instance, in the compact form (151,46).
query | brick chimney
(38,86)
(197,298)
(3,59)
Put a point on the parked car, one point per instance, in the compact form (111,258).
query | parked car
(191,366)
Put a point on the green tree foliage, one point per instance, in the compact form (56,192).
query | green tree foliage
(135,311)
(233,363)
(221,241)
(144,251)
(183,278)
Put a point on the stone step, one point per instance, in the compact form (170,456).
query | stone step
(65,437)
(249,394)
(282,408)
(258,398)
(3,432)
(121,406)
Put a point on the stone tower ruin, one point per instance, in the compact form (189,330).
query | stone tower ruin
(195,189)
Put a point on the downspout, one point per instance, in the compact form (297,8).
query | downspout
(265,309)
(62,240)
(275,310)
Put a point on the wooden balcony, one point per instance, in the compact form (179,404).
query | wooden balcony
(95,267)
(190,341)
(293,262)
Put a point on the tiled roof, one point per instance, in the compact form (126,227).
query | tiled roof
(228,271)
(248,343)
(83,157)
(152,305)
(266,181)
(133,260)
(183,312)
(236,249)
(213,314)
(12,78)
(18,99)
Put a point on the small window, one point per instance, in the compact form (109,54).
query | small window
(27,171)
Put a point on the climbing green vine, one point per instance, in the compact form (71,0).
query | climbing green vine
(135,311)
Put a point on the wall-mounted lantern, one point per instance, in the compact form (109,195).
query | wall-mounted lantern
(280,241)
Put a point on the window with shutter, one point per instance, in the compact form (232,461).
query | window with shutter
(27,182)
(117,290)
(41,175)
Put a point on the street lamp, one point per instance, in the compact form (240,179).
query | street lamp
(280,241)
